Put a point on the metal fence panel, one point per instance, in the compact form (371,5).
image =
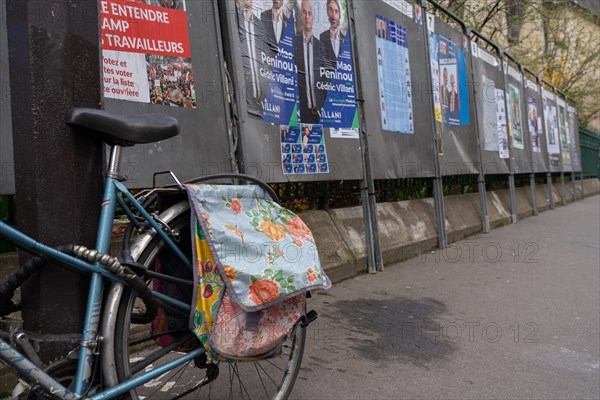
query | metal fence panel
(458,142)
(489,92)
(7,170)
(551,129)
(397,103)
(203,146)
(519,134)
(272,95)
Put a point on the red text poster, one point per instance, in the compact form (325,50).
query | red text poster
(146,54)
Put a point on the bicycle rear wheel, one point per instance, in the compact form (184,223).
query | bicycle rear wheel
(138,348)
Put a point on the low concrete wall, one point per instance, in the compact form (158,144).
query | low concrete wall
(408,228)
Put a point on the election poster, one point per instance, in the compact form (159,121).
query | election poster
(503,138)
(303,149)
(146,55)
(490,117)
(394,79)
(454,90)
(565,140)
(551,124)
(534,122)
(435,80)
(297,62)
(514,116)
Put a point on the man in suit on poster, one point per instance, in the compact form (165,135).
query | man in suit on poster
(332,39)
(274,21)
(453,99)
(251,39)
(308,50)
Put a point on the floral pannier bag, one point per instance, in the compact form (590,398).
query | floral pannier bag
(255,262)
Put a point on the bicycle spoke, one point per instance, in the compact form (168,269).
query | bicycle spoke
(261,380)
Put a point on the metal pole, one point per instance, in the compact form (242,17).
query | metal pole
(550,189)
(374,256)
(531,165)
(55,65)
(438,187)
(485,219)
(511,167)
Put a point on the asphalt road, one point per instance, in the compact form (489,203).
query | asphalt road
(511,314)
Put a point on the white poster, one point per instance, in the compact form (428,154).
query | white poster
(503,144)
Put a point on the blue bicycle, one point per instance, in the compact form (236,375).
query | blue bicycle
(135,340)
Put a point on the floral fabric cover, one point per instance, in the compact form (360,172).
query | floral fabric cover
(266,252)
(227,332)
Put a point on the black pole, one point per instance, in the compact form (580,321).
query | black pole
(54,65)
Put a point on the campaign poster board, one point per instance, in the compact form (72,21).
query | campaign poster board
(288,73)
(552,130)
(565,137)
(493,116)
(397,107)
(517,124)
(454,110)
(156,59)
(535,126)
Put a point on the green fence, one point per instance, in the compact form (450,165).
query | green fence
(590,152)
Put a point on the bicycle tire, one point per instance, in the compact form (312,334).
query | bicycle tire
(249,379)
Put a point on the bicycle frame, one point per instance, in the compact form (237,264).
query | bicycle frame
(89,341)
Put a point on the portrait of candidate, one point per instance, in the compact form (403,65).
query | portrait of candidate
(332,39)
(308,50)
(251,32)
(453,99)
(292,8)
(274,21)
(444,92)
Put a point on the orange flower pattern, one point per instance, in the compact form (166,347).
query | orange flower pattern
(236,206)
(275,232)
(263,291)
(297,227)
(277,247)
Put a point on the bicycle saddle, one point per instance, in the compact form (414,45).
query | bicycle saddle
(123,130)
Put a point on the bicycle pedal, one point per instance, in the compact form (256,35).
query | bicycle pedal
(308,318)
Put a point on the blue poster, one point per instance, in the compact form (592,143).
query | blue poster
(339,109)
(394,77)
(454,94)
(280,106)
(303,149)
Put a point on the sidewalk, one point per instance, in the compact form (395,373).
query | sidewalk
(511,314)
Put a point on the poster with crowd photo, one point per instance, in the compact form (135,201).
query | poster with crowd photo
(303,149)
(514,116)
(454,90)
(146,55)
(393,74)
(297,62)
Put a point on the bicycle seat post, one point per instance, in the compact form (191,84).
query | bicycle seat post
(114,163)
